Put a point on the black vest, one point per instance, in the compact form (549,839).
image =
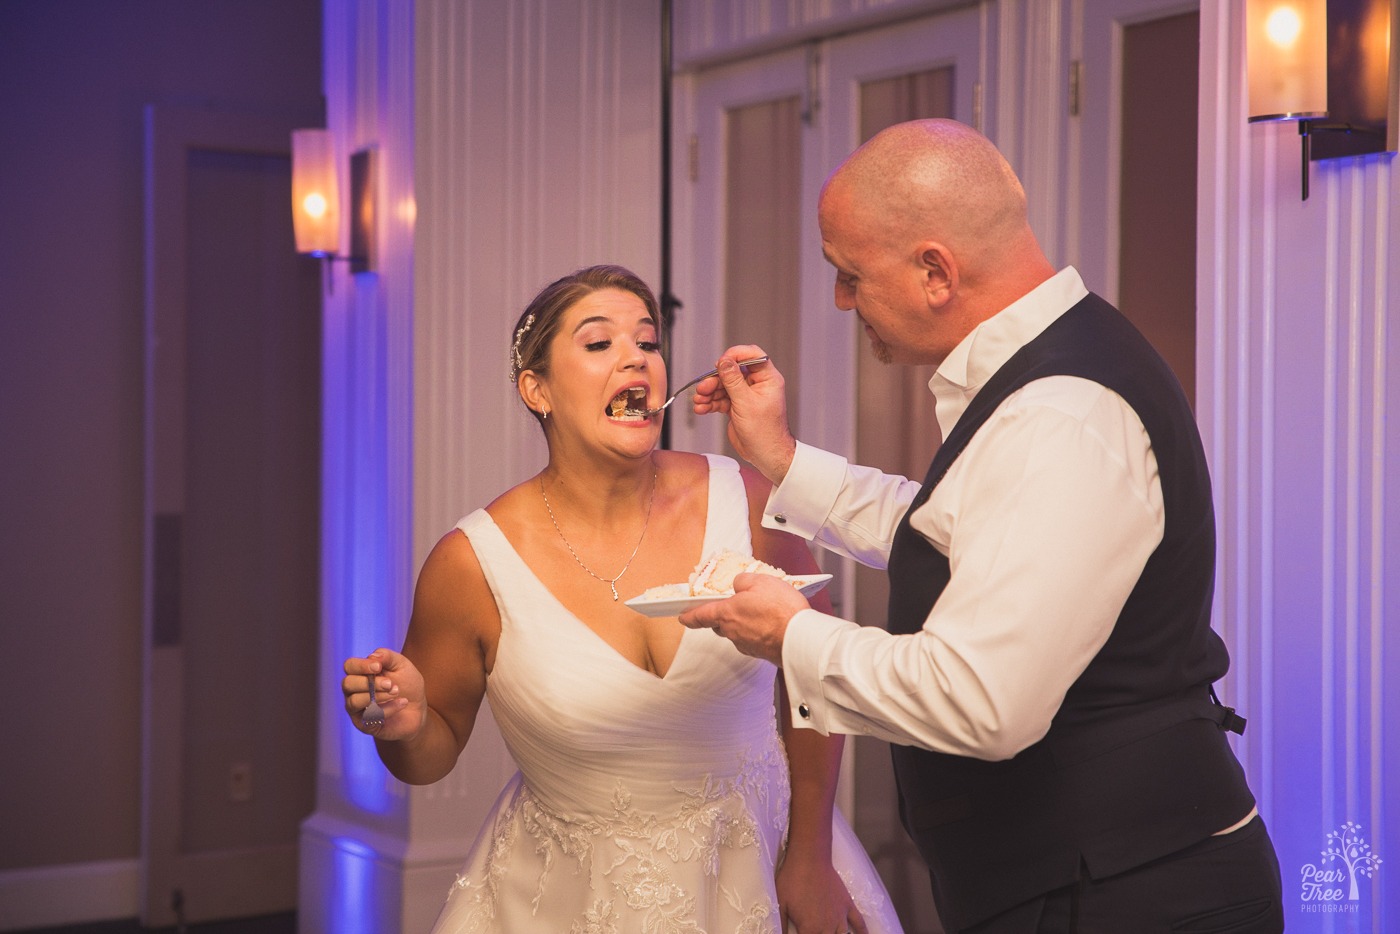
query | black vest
(1135,765)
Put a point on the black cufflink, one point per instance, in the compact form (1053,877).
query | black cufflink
(780,519)
(804,711)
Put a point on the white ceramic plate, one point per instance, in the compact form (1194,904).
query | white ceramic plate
(808,584)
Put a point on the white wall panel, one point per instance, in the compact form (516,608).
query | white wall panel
(1297,307)
(539,152)
(516,143)
(370,841)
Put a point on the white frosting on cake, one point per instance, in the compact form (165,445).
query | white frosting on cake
(713,575)
(666,592)
(716,574)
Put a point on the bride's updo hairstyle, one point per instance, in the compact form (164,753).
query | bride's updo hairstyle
(537,325)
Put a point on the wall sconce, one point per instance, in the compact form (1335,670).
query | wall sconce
(316,201)
(1328,65)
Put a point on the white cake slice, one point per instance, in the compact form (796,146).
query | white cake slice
(716,574)
(713,576)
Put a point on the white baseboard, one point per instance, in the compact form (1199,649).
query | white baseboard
(48,896)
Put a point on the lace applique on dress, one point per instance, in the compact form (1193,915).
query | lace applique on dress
(600,919)
(648,888)
(758,921)
(634,854)
(866,892)
(481,896)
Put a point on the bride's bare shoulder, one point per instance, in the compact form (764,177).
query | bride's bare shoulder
(452,572)
(684,464)
(514,501)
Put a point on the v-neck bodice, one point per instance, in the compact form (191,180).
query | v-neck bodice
(571,706)
(642,803)
(478,528)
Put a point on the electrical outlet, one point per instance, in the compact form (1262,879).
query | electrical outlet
(240,782)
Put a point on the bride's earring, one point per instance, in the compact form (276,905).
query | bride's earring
(544,414)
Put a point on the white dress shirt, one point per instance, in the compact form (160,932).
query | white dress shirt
(1047,519)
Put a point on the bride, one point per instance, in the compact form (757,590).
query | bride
(653,793)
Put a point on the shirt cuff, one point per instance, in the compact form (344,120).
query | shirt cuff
(801,503)
(806,646)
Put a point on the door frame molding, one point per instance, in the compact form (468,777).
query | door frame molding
(171,133)
(1094,158)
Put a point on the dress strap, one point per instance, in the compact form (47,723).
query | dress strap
(497,557)
(727,520)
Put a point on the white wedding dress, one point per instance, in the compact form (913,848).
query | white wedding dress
(643,805)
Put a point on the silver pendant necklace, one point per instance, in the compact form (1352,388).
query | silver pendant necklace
(612,584)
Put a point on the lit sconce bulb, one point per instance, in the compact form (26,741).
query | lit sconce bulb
(315,205)
(1283,26)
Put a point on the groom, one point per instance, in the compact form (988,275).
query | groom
(1046,678)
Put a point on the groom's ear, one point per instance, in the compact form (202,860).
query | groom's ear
(940,273)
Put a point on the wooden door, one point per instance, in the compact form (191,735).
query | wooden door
(232,519)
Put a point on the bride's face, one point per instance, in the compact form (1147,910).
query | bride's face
(606,352)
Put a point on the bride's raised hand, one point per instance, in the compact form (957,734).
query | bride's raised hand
(398,687)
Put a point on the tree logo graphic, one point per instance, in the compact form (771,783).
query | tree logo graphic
(1345,847)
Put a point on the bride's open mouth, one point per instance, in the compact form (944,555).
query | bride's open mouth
(630,405)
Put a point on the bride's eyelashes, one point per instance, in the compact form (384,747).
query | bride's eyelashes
(646,346)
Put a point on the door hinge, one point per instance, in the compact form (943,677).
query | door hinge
(1076,84)
(693,156)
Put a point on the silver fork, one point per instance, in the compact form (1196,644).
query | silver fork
(703,376)
(373,715)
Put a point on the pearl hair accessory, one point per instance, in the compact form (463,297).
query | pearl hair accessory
(515,363)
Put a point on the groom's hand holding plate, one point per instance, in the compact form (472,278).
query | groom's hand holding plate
(755,619)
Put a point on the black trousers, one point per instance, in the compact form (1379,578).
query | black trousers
(1223,885)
